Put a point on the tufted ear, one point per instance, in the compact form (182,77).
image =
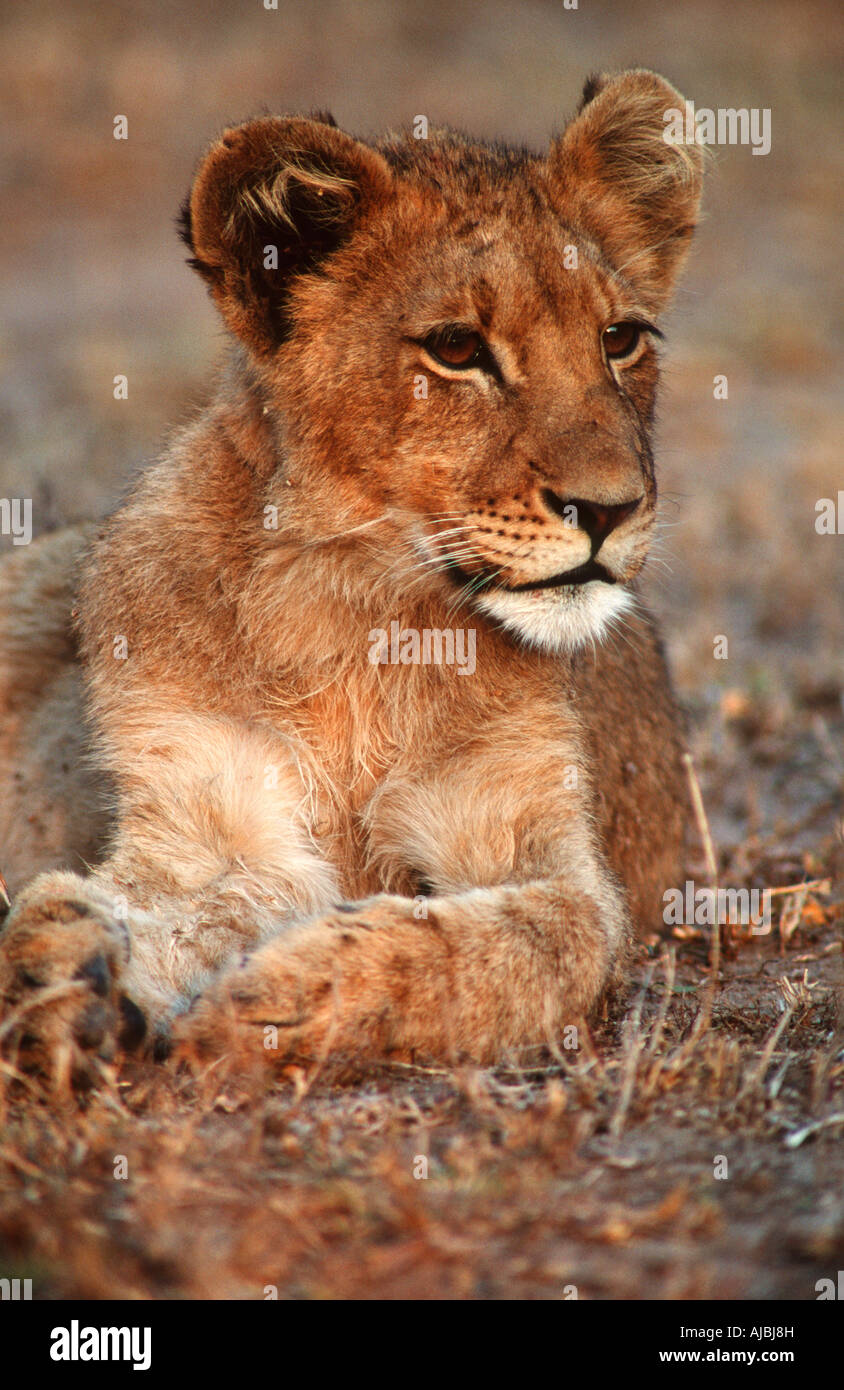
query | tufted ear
(270,199)
(615,176)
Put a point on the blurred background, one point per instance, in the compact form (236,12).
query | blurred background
(94,281)
(314,1189)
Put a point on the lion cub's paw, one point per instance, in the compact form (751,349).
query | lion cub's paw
(320,988)
(63,951)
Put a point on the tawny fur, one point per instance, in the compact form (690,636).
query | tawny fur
(369,859)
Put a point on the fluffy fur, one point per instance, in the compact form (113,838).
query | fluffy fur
(364,859)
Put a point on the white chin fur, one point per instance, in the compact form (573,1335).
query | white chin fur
(559,620)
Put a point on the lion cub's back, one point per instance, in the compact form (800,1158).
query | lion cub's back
(52,811)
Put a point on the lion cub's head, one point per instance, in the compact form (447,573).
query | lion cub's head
(454,344)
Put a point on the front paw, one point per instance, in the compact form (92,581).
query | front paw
(63,953)
(330,987)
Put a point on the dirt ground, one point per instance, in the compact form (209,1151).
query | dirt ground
(692,1146)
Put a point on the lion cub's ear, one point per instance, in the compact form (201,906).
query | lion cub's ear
(616,177)
(272,198)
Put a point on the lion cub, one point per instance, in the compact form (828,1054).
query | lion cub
(317,828)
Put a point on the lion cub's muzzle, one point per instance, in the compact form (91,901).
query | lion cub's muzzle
(597,519)
(552,541)
(583,574)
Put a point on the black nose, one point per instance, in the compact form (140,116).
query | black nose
(597,519)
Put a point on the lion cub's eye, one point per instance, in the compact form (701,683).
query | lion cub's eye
(458,349)
(621,339)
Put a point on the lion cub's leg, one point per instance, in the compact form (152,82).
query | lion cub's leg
(211,858)
(523,932)
(484,973)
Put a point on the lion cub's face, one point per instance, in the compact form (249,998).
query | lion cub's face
(457,343)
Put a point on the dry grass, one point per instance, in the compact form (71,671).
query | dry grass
(596,1168)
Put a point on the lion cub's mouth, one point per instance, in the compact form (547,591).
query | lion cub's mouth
(485,579)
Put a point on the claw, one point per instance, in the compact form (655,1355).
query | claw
(91,1028)
(134,1027)
(96,973)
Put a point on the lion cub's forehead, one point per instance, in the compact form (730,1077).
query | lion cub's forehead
(448,158)
(482,180)
(501,235)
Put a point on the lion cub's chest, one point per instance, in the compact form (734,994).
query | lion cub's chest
(419,783)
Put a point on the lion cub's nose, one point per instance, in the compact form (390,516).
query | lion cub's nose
(597,519)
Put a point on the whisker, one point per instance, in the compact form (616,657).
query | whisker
(340,535)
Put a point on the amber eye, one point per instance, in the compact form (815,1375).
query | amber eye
(456,349)
(620,339)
